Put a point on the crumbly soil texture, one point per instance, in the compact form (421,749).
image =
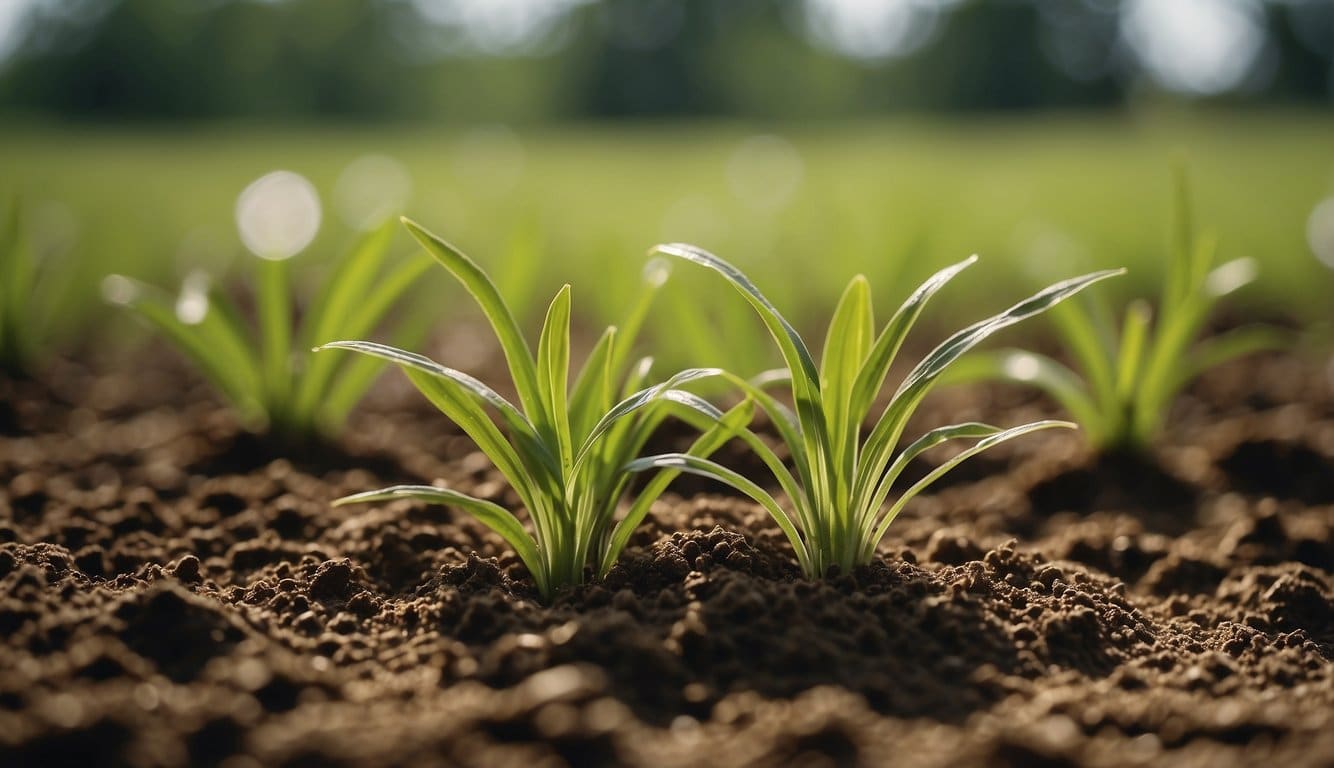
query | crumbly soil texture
(175,591)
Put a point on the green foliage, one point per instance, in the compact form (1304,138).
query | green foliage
(841,479)
(1125,378)
(18,275)
(564,448)
(263,372)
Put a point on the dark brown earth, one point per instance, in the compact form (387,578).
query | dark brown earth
(173,591)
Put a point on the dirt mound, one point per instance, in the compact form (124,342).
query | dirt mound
(167,598)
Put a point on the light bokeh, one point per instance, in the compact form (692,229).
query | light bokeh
(278,215)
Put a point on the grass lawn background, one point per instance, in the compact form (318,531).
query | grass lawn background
(1038,197)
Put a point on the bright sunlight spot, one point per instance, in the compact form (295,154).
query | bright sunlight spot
(1022,367)
(498,26)
(192,303)
(1320,232)
(119,289)
(1195,46)
(872,29)
(278,215)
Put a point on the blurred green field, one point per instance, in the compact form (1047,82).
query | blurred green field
(1038,197)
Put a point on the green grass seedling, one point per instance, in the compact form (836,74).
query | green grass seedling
(564,448)
(840,481)
(264,373)
(1124,379)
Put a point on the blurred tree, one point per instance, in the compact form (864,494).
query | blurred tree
(539,59)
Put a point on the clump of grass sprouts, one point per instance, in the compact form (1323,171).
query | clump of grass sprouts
(563,448)
(266,371)
(1125,376)
(840,481)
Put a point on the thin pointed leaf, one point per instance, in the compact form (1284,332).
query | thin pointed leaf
(1134,336)
(1092,346)
(940,471)
(517,354)
(356,376)
(213,365)
(823,481)
(958,344)
(333,305)
(1207,354)
(274,307)
(633,403)
(919,381)
(872,375)
(971,430)
(222,329)
(553,368)
(1176,284)
(1238,342)
(638,376)
(344,309)
(794,349)
(846,346)
(520,427)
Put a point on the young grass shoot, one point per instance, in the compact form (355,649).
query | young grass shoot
(267,374)
(1124,379)
(564,448)
(840,481)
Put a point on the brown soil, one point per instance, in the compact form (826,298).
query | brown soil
(175,592)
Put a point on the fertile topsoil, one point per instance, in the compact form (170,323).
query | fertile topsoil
(174,591)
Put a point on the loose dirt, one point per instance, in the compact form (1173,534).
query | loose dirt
(176,592)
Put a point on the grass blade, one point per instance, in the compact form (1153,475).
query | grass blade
(966,431)
(794,350)
(332,307)
(162,316)
(847,343)
(633,403)
(824,483)
(940,471)
(955,346)
(465,270)
(357,376)
(1134,336)
(518,424)
(275,328)
(919,381)
(872,375)
(1081,325)
(553,368)
(1230,345)
(330,314)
